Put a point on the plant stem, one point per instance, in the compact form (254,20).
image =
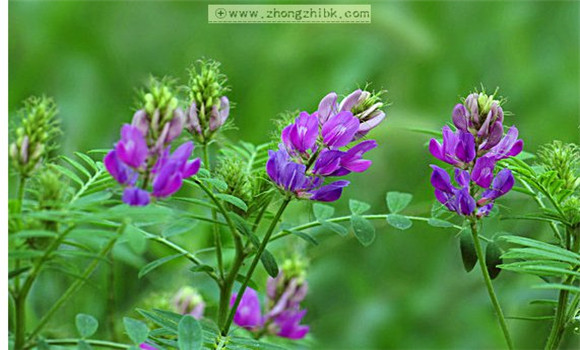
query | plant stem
(215,227)
(489,285)
(96,343)
(19,300)
(74,287)
(560,319)
(261,248)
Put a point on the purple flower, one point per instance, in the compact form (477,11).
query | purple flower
(288,175)
(248,314)
(141,121)
(339,130)
(328,162)
(146,346)
(192,123)
(327,108)
(455,199)
(352,100)
(330,192)
(457,148)
(219,115)
(460,117)
(509,146)
(482,172)
(289,324)
(135,196)
(171,170)
(351,160)
(132,148)
(188,301)
(119,170)
(502,184)
(301,135)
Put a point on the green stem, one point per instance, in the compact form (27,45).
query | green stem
(261,248)
(489,285)
(561,319)
(215,227)
(96,343)
(19,300)
(342,219)
(74,287)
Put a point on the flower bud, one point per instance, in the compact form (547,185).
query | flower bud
(188,301)
(141,121)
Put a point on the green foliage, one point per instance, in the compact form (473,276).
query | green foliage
(86,325)
(397,201)
(399,222)
(493,259)
(189,333)
(358,207)
(269,263)
(363,230)
(467,248)
(136,330)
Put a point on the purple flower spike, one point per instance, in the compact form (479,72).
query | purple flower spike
(441,180)
(327,107)
(218,116)
(168,180)
(457,148)
(248,314)
(119,170)
(482,173)
(330,192)
(132,148)
(289,324)
(301,136)
(146,346)
(135,196)
(339,130)
(465,202)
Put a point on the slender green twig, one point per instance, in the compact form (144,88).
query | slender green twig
(71,342)
(73,288)
(225,329)
(489,285)
(215,227)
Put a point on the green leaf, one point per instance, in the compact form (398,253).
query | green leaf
(18,272)
(305,236)
(190,335)
(322,211)
(399,221)
(467,248)
(439,223)
(220,185)
(86,325)
(136,330)
(529,242)
(358,207)
(269,263)
(363,230)
(156,263)
(334,227)
(233,200)
(242,278)
(201,268)
(179,227)
(34,234)
(559,286)
(136,239)
(83,345)
(397,201)
(493,259)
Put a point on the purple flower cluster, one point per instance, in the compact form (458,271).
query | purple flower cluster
(474,149)
(283,315)
(143,157)
(310,150)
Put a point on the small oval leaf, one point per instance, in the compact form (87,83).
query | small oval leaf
(322,211)
(467,248)
(399,221)
(189,334)
(269,263)
(233,200)
(358,207)
(86,325)
(136,330)
(493,259)
(439,223)
(397,201)
(363,230)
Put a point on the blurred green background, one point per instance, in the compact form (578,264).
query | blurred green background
(408,290)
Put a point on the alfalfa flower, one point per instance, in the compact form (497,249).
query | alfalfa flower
(312,151)
(209,107)
(474,150)
(35,134)
(142,158)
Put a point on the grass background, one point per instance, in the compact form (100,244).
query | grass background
(408,290)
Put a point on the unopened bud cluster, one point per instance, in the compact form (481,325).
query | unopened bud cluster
(209,107)
(34,135)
